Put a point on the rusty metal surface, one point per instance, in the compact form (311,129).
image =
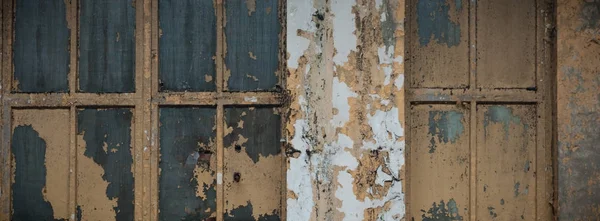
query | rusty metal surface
(440,182)
(578,109)
(439,57)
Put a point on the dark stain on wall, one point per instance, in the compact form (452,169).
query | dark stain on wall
(442,212)
(41,47)
(433,20)
(256,121)
(29,151)
(181,132)
(447,126)
(388,26)
(111,127)
(252,45)
(107,46)
(245,213)
(187,45)
(590,15)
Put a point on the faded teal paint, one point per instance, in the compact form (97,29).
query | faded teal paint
(517,185)
(503,115)
(433,21)
(447,126)
(442,212)
(590,15)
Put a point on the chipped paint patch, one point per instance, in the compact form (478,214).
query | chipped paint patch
(447,126)
(434,22)
(442,211)
(344,37)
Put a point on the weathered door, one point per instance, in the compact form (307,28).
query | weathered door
(479,123)
(145,110)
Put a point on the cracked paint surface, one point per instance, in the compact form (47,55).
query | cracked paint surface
(345,63)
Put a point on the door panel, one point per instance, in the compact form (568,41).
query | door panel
(187,163)
(441,145)
(506,43)
(40,164)
(440,51)
(105,164)
(506,159)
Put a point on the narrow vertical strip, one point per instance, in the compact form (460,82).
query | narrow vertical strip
(472,45)
(72,197)
(6,164)
(220,121)
(7,37)
(154,151)
(473,162)
(73,25)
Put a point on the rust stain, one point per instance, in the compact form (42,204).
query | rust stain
(53,127)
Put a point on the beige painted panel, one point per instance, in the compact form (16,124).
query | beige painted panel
(506,43)
(41,132)
(438,44)
(506,159)
(439,157)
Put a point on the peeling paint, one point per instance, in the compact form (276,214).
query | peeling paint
(434,22)
(442,212)
(447,126)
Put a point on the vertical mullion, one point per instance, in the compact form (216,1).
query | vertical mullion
(73,25)
(473,162)
(473,110)
(5,202)
(72,197)
(472,45)
(7,35)
(143,104)
(220,109)
(154,151)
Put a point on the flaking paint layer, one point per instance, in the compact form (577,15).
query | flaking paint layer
(345,135)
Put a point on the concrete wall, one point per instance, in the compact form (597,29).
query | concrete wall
(346,74)
(578,109)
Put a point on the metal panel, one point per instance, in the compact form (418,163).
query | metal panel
(252,36)
(187,45)
(253,164)
(438,44)
(40,164)
(187,163)
(440,146)
(41,47)
(105,182)
(106,46)
(506,162)
(506,39)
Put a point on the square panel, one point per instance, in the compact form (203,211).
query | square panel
(105,181)
(188,163)
(253,170)
(41,46)
(106,46)
(40,164)
(506,162)
(187,45)
(439,44)
(252,53)
(439,155)
(506,44)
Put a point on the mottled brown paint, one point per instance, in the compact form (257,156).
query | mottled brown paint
(578,109)
(506,159)
(506,44)
(443,174)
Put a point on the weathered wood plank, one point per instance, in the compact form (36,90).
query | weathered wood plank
(41,47)
(187,163)
(40,142)
(439,183)
(252,37)
(438,44)
(105,181)
(506,44)
(106,46)
(253,164)
(506,162)
(187,45)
